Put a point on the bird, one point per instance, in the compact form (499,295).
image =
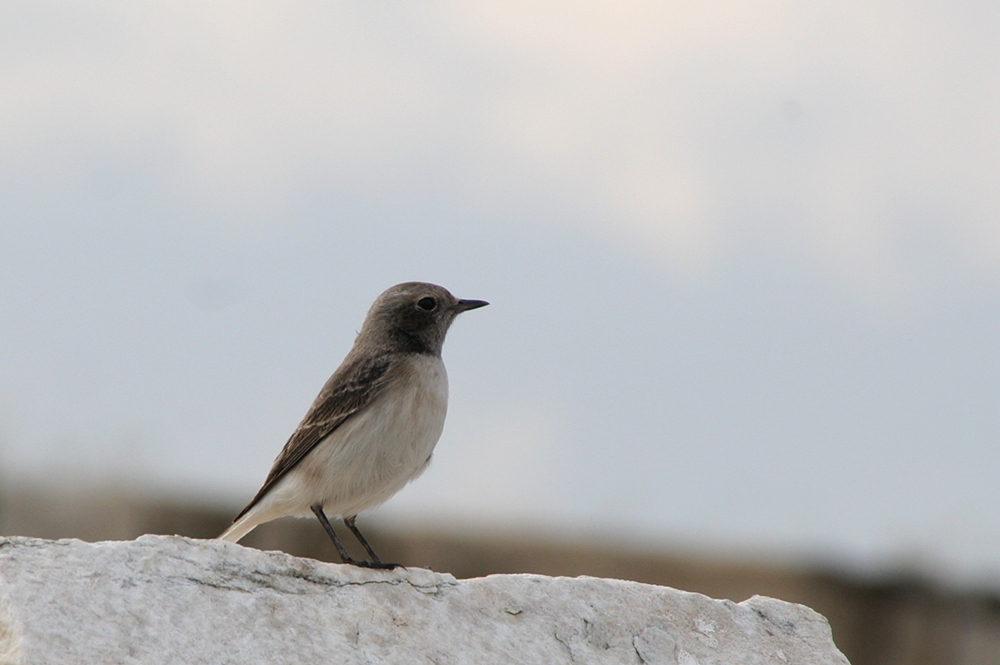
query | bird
(373,427)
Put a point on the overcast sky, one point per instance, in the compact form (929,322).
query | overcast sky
(743,257)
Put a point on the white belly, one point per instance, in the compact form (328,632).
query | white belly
(375,453)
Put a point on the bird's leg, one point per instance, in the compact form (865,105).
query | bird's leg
(344,556)
(376,561)
(349,521)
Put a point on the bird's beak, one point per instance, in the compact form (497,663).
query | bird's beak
(466,305)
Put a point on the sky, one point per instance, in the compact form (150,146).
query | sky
(743,259)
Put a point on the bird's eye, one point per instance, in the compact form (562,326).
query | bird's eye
(427,304)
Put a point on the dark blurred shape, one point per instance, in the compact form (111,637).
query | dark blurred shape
(904,621)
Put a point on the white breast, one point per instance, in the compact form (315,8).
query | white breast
(376,452)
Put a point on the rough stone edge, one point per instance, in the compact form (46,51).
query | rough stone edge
(342,575)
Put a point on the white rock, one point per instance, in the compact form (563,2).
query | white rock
(165,599)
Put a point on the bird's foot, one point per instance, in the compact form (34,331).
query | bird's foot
(375,565)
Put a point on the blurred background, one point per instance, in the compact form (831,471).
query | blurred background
(743,260)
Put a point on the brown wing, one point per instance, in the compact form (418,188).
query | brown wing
(352,386)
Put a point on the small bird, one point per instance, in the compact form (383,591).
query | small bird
(373,426)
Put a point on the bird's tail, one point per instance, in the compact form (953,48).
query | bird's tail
(241,527)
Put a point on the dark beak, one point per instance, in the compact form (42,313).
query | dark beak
(466,305)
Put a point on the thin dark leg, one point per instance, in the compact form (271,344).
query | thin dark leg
(344,556)
(377,562)
(349,521)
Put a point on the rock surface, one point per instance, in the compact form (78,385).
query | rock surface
(164,599)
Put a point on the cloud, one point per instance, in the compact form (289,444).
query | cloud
(676,130)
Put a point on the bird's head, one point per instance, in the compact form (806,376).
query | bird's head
(413,317)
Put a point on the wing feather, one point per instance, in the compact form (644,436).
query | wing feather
(351,387)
